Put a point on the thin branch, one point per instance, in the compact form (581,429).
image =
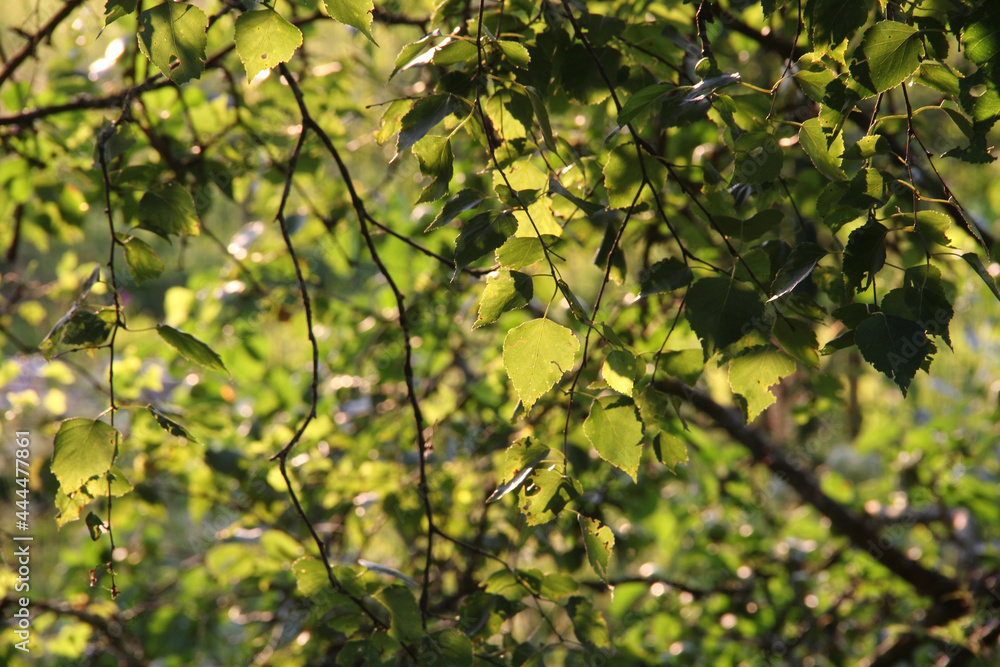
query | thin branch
(308,123)
(18,58)
(844,520)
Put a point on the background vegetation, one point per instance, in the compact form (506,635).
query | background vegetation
(502,333)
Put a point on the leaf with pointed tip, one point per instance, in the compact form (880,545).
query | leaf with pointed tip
(615,430)
(355,13)
(753,373)
(721,311)
(168,209)
(588,624)
(977,265)
(84,448)
(824,153)
(506,290)
(547,495)
(436,161)
(523,457)
(864,255)
(536,354)
(893,345)
(799,265)
(619,370)
(891,53)
(665,276)
(481,235)
(423,115)
(798,339)
(405,625)
(523,251)
(624,176)
(190,347)
(142,262)
(514,53)
(640,101)
(463,201)
(599,542)
(116,9)
(541,117)
(925,305)
(173,33)
(264,40)
(169,425)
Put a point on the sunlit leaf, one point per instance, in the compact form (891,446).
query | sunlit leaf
(264,39)
(615,430)
(173,33)
(190,347)
(536,354)
(84,448)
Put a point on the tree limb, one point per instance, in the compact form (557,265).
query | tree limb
(845,520)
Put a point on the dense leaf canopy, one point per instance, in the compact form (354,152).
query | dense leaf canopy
(520,332)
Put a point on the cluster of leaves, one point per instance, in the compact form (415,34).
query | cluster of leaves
(649,219)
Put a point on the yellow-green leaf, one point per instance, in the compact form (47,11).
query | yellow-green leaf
(264,39)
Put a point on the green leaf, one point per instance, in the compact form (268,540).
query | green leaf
(891,53)
(938,76)
(447,648)
(599,542)
(435,159)
(799,265)
(541,114)
(95,526)
(505,290)
(833,21)
(142,262)
(623,176)
(84,448)
(522,460)
(481,235)
(547,495)
(169,425)
(639,101)
(264,39)
(864,255)
(423,115)
(753,373)
(760,223)
(168,209)
(310,576)
(977,265)
(824,153)
(758,158)
(174,33)
(536,354)
(463,201)
(721,311)
(923,303)
(405,626)
(665,276)
(798,339)
(514,53)
(355,13)
(893,345)
(619,370)
(520,252)
(116,9)
(981,34)
(190,347)
(615,430)
(589,625)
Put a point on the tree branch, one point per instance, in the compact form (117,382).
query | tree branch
(845,520)
(18,58)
